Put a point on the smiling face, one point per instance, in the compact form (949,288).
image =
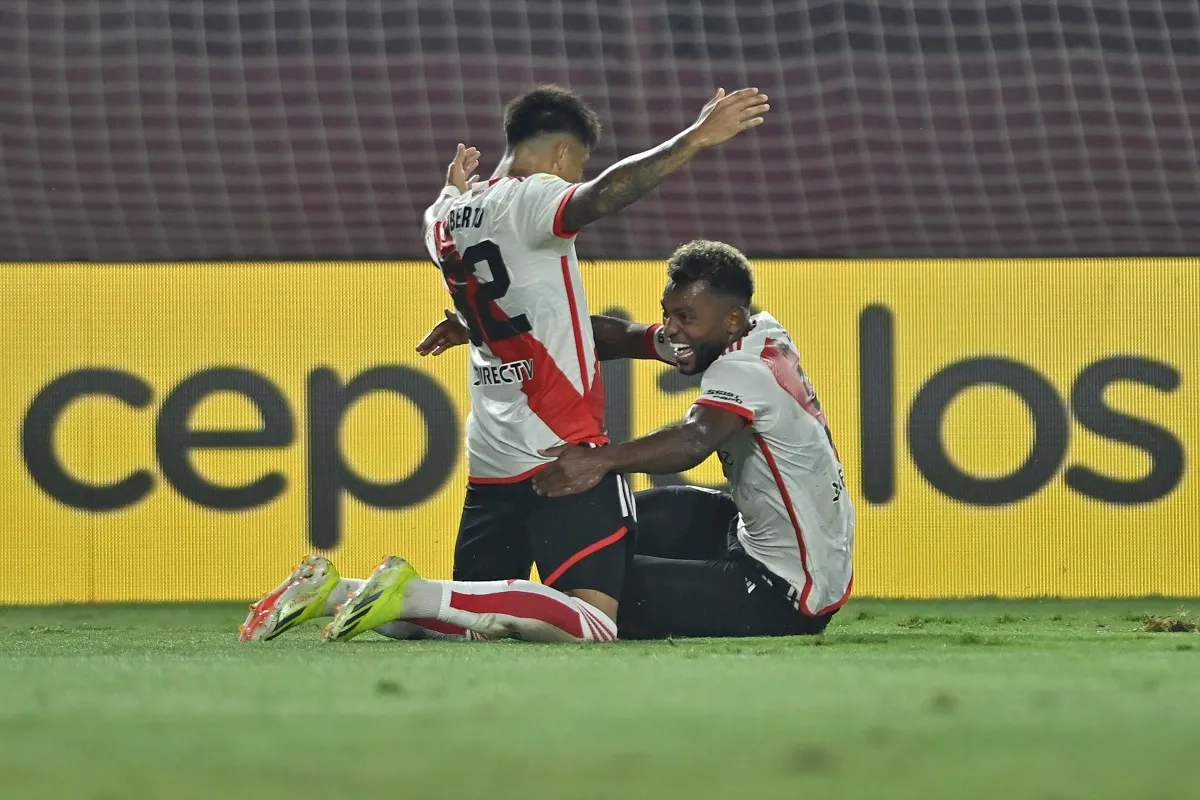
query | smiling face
(706,305)
(701,322)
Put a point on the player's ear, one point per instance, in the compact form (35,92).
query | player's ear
(560,155)
(735,320)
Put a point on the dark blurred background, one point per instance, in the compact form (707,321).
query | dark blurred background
(289,129)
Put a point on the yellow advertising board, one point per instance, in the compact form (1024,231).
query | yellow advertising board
(182,431)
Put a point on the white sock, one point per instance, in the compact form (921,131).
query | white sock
(341,593)
(499,609)
(428,629)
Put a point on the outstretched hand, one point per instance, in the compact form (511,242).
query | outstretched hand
(448,333)
(727,115)
(466,161)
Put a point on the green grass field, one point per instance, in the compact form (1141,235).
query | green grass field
(978,699)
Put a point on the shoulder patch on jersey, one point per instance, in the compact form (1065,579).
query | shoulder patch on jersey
(723,396)
(546,177)
(736,377)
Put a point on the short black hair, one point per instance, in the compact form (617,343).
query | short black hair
(548,108)
(722,266)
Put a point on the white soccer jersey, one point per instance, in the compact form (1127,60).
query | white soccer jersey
(512,271)
(783,469)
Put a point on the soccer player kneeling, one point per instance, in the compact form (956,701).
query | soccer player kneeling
(505,249)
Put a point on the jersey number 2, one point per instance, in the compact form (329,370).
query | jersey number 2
(485,320)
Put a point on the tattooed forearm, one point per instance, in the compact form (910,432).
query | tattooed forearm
(625,182)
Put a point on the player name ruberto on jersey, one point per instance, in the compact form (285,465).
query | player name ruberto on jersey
(465,217)
(508,372)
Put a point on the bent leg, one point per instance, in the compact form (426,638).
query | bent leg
(581,543)
(684,522)
(725,597)
(491,543)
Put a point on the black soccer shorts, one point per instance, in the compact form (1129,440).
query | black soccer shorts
(691,577)
(583,541)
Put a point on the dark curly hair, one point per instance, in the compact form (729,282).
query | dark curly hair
(721,266)
(550,109)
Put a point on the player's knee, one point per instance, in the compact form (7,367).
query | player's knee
(692,503)
(598,600)
(709,503)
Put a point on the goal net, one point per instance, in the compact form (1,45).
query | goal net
(150,129)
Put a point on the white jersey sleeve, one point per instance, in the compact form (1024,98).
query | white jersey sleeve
(538,205)
(743,386)
(435,212)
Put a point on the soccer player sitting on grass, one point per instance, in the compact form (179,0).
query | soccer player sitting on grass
(786,566)
(775,558)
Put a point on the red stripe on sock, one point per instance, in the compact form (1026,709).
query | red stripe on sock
(582,554)
(599,632)
(602,631)
(437,626)
(516,603)
(590,625)
(592,622)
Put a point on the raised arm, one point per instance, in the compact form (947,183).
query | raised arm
(466,160)
(722,118)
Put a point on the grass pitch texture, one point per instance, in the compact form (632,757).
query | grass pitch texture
(972,699)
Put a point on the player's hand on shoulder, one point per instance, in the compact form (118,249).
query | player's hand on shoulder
(448,333)
(464,163)
(576,469)
(727,115)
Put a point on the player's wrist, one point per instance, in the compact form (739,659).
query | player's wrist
(691,140)
(646,340)
(656,346)
(609,457)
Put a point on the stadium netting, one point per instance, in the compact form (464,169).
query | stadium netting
(149,129)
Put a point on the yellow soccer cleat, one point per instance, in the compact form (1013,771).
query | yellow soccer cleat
(379,601)
(298,599)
